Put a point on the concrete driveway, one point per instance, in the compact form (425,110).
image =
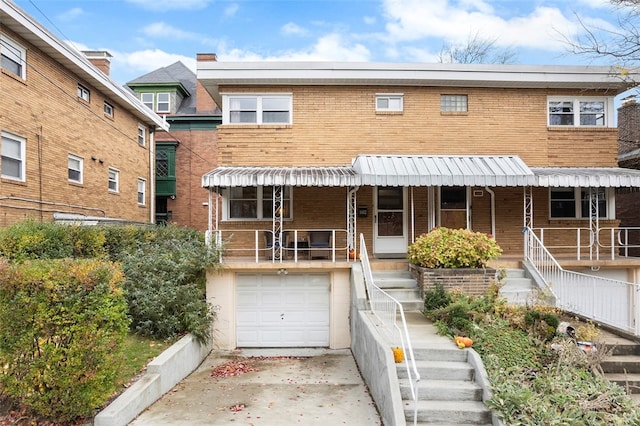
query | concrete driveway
(268,387)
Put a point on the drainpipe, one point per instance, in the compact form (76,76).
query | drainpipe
(152,176)
(493,211)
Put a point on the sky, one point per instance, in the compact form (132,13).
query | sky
(144,35)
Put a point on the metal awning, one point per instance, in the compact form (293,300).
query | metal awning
(602,177)
(440,170)
(287,176)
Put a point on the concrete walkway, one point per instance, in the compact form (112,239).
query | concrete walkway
(272,387)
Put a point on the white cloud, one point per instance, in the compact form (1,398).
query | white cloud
(166,5)
(163,30)
(369,20)
(331,47)
(595,3)
(413,20)
(140,62)
(292,29)
(71,14)
(231,10)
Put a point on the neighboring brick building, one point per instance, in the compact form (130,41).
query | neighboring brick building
(188,151)
(73,140)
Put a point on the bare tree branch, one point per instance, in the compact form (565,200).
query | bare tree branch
(477,50)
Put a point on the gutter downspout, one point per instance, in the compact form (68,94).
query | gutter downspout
(152,176)
(493,211)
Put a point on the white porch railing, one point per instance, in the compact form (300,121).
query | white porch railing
(251,243)
(605,243)
(611,302)
(389,311)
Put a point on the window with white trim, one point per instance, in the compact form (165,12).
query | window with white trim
(148,100)
(257,109)
(13,57)
(164,102)
(579,111)
(13,156)
(453,103)
(574,203)
(142,135)
(389,102)
(108,109)
(142,191)
(83,93)
(114,180)
(75,164)
(251,202)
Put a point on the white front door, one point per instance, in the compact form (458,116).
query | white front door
(274,310)
(390,227)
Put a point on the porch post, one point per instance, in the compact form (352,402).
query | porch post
(594,222)
(528,217)
(431,208)
(413,218)
(351,219)
(278,194)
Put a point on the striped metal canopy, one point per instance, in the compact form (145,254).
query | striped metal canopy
(597,177)
(287,176)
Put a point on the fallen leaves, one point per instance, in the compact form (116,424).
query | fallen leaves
(243,365)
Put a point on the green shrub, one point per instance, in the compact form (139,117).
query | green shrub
(437,297)
(165,283)
(62,324)
(453,248)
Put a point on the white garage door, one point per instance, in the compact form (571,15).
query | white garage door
(282,310)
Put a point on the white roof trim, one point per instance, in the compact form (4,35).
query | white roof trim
(600,177)
(442,170)
(287,176)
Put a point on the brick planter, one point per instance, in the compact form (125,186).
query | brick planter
(471,281)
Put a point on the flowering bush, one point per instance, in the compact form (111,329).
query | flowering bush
(453,248)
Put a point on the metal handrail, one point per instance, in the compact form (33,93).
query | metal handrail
(386,309)
(608,301)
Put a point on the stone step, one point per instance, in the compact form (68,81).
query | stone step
(515,273)
(441,353)
(394,279)
(439,370)
(630,381)
(442,390)
(403,293)
(449,412)
(621,364)
(517,283)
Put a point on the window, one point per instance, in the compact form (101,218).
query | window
(108,109)
(142,135)
(163,102)
(75,169)
(83,93)
(147,100)
(114,180)
(13,148)
(573,203)
(13,57)
(453,103)
(257,109)
(591,112)
(256,203)
(142,191)
(389,102)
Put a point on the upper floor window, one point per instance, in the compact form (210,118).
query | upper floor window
(114,180)
(257,109)
(164,104)
(13,155)
(142,191)
(75,169)
(253,202)
(108,109)
(453,103)
(13,57)
(579,111)
(389,102)
(142,135)
(148,100)
(83,93)
(574,203)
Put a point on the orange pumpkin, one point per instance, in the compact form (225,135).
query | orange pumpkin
(398,354)
(467,342)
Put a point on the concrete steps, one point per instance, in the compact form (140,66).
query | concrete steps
(517,288)
(623,365)
(401,286)
(447,391)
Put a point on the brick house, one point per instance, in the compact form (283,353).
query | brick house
(74,142)
(390,151)
(188,151)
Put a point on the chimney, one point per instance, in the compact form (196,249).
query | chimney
(101,59)
(204,101)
